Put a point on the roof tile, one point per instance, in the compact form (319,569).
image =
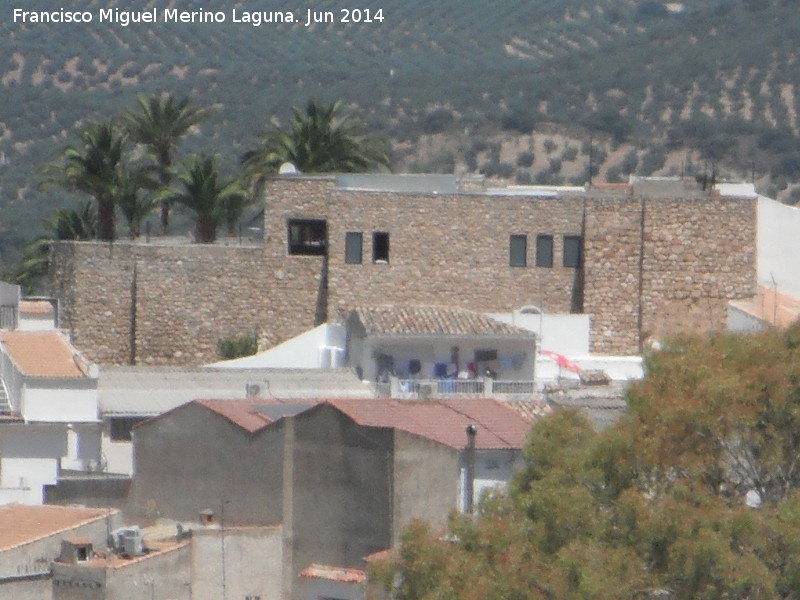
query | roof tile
(431,320)
(443,421)
(22,524)
(338,574)
(41,353)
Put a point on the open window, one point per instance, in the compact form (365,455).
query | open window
(380,247)
(308,237)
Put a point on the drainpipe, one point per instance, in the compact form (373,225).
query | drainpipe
(469,476)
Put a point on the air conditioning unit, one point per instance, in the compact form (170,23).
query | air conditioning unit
(252,390)
(132,542)
(126,540)
(425,391)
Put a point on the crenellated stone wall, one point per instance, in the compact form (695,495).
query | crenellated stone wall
(653,264)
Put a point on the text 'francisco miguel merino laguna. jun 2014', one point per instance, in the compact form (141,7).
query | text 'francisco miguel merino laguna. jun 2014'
(305,17)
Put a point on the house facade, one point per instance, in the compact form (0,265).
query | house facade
(49,420)
(341,477)
(31,539)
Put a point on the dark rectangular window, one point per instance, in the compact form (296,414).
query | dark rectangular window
(518,250)
(307,237)
(352,247)
(121,428)
(573,248)
(380,247)
(485,355)
(544,251)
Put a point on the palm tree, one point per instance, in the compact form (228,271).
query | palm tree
(64,224)
(92,167)
(210,198)
(160,125)
(319,139)
(133,199)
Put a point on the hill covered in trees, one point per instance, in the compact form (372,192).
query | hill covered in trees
(514,89)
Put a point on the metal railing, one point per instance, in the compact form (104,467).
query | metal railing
(438,388)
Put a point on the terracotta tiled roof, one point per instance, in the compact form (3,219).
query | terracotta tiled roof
(241,412)
(443,421)
(41,353)
(431,320)
(21,524)
(36,307)
(338,574)
(380,555)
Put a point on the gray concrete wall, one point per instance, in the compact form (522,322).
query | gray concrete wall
(22,567)
(165,576)
(341,490)
(193,459)
(252,561)
(425,482)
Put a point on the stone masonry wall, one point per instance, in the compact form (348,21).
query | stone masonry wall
(652,266)
(443,249)
(698,255)
(672,263)
(186,297)
(612,254)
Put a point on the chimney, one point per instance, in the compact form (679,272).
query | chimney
(469,477)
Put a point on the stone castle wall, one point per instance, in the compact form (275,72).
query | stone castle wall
(651,266)
(159,305)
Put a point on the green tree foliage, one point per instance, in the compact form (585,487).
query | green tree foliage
(160,125)
(653,507)
(213,200)
(93,166)
(64,224)
(319,139)
(235,347)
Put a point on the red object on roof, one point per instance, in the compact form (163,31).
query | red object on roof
(562,361)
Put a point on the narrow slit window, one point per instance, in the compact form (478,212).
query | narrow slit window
(352,247)
(518,250)
(573,248)
(380,247)
(544,251)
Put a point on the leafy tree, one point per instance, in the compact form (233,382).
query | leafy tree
(92,167)
(160,125)
(211,199)
(319,139)
(653,507)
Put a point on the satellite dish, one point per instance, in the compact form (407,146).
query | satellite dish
(288,168)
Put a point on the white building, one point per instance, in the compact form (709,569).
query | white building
(49,422)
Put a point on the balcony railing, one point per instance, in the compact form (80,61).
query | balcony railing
(438,388)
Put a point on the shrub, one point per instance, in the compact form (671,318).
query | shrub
(235,347)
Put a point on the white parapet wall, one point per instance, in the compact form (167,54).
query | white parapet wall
(567,334)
